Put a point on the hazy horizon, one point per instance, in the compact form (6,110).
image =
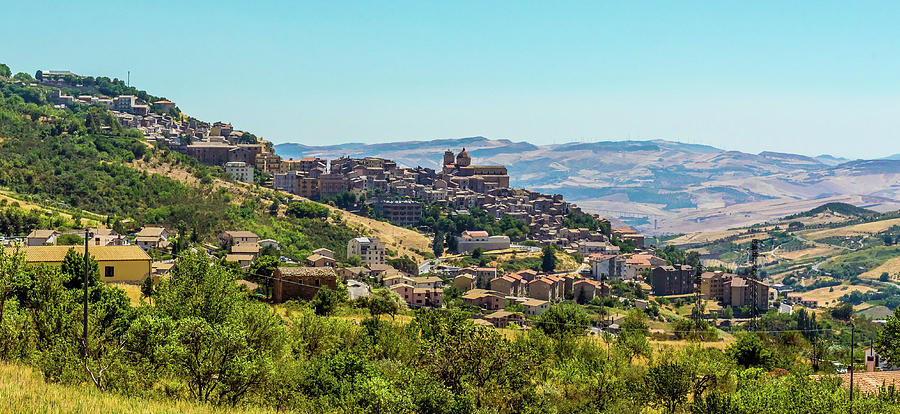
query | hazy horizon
(750,77)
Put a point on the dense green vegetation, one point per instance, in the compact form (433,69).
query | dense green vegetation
(674,255)
(839,208)
(204,339)
(444,221)
(579,220)
(16,221)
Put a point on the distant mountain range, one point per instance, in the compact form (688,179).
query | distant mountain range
(681,187)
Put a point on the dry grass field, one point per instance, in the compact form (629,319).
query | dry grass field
(827,297)
(809,253)
(864,229)
(703,237)
(24,391)
(892,267)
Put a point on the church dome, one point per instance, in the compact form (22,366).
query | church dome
(463,159)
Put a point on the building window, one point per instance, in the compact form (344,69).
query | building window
(109,271)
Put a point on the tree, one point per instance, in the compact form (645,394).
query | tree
(437,245)
(714,403)
(476,254)
(73,270)
(385,301)
(262,271)
(39,75)
(885,276)
(452,244)
(222,345)
(728,313)
(888,342)
(4,70)
(749,351)
(23,77)
(817,353)
(565,319)
(147,288)
(633,344)
(548,258)
(326,301)
(354,261)
(69,239)
(842,312)
(635,321)
(308,209)
(11,268)
(404,264)
(669,383)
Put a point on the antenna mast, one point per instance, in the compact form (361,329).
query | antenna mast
(754,277)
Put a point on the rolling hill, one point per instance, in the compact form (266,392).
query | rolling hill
(683,187)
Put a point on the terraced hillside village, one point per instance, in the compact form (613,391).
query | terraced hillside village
(660,186)
(577,317)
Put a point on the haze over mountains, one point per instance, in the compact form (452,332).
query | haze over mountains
(679,187)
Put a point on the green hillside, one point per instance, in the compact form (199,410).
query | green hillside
(838,208)
(80,158)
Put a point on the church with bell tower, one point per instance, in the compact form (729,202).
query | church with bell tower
(459,171)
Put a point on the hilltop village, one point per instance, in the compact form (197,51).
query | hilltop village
(609,263)
(156,217)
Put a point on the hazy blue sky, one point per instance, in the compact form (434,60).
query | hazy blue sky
(805,77)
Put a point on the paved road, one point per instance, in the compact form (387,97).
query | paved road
(530,249)
(426,267)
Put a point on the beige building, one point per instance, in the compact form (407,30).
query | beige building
(369,249)
(471,240)
(240,236)
(545,288)
(464,282)
(41,237)
(535,307)
(128,264)
(485,299)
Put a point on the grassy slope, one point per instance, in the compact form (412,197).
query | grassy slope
(89,218)
(24,391)
(404,241)
(870,258)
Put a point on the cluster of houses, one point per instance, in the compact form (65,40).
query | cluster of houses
(400,192)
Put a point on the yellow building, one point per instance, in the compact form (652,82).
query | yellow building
(127,264)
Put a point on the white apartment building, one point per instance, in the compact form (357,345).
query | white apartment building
(240,171)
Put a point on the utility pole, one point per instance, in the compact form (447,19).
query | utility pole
(852,330)
(128,82)
(86,267)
